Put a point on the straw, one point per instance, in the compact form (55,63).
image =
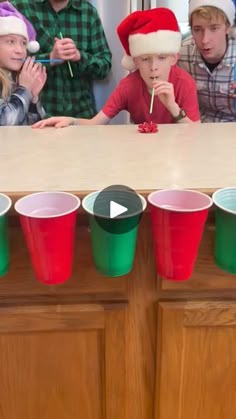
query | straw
(152,97)
(56,60)
(68,62)
(152,100)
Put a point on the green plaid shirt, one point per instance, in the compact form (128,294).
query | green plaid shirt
(79,20)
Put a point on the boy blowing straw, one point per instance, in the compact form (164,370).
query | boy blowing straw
(151,40)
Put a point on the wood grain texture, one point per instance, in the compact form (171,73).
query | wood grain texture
(116,369)
(141,329)
(210,313)
(86,284)
(55,317)
(65,371)
(196,365)
(96,338)
(51,375)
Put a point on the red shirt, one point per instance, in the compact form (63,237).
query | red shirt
(132,95)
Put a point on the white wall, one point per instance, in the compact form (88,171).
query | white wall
(179,7)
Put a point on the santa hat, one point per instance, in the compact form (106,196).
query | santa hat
(153,31)
(227,6)
(13,22)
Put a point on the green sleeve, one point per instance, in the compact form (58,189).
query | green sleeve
(96,61)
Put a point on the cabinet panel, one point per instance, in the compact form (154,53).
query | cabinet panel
(61,363)
(196,361)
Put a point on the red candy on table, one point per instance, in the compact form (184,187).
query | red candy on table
(148,127)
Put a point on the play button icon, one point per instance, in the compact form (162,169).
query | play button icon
(116,209)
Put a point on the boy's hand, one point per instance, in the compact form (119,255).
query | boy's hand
(165,92)
(55,121)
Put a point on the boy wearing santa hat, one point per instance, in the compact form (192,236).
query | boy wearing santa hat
(209,55)
(21,79)
(151,40)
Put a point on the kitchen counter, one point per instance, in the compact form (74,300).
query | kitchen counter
(85,158)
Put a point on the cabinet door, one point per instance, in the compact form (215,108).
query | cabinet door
(196,362)
(62,362)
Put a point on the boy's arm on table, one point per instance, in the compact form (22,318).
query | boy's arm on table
(65,121)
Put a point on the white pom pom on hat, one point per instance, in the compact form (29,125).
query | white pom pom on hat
(128,63)
(33,46)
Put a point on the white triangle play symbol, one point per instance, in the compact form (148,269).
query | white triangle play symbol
(116,209)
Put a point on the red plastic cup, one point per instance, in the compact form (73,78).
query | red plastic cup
(178,218)
(48,221)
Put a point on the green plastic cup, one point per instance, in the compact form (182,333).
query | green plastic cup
(225,236)
(5,205)
(113,240)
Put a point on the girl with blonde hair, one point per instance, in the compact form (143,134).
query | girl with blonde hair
(21,79)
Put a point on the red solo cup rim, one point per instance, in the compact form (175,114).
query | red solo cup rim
(5,204)
(207,204)
(90,199)
(22,200)
(223,197)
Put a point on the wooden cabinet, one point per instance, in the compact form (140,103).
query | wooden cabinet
(62,362)
(196,360)
(134,347)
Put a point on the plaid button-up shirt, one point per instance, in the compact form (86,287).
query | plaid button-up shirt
(17,108)
(79,20)
(213,89)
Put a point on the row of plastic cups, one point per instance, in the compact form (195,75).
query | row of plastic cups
(178,218)
(48,222)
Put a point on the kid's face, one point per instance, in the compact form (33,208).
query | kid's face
(155,67)
(210,37)
(12,51)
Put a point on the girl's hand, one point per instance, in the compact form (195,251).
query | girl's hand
(55,121)
(30,75)
(39,82)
